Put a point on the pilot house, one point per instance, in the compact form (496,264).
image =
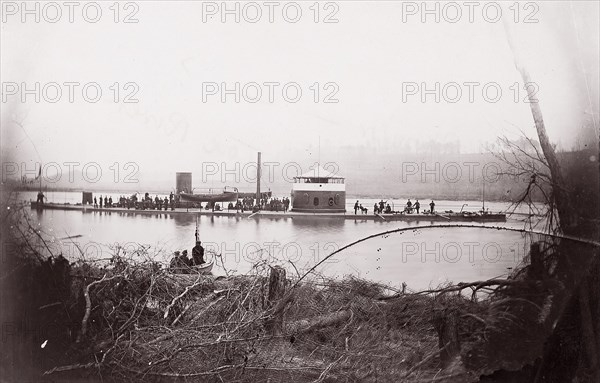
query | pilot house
(319,191)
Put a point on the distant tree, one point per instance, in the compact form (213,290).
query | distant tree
(579,269)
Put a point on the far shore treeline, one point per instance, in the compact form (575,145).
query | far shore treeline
(369,174)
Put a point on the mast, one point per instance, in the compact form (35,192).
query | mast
(197,231)
(483,198)
(258,180)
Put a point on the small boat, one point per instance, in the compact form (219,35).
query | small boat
(225,196)
(204,268)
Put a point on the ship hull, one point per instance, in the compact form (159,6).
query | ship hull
(313,200)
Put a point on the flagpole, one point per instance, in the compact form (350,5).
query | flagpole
(197,233)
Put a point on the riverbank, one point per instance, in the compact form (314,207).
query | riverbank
(132,320)
(138,322)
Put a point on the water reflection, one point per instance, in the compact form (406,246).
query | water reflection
(417,257)
(183,220)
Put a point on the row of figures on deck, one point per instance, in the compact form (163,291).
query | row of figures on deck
(385,208)
(147,202)
(271,204)
(181,261)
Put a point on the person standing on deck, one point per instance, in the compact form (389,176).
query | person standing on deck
(95,202)
(100,202)
(381,206)
(355,207)
(417,206)
(105,201)
(431,207)
(375,208)
(198,254)
(110,202)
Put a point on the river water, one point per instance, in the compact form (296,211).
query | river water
(419,257)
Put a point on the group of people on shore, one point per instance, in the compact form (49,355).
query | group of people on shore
(382,207)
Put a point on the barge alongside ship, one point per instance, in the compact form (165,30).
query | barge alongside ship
(445,217)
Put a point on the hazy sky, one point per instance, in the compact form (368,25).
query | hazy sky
(367,56)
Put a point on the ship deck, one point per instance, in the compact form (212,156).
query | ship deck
(444,217)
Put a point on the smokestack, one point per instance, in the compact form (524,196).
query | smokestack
(258,180)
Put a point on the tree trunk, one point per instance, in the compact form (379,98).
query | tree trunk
(537,263)
(274,324)
(446,324)
(559,189)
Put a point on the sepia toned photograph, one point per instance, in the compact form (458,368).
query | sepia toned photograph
(300,191)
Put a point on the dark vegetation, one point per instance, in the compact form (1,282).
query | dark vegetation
(131,320)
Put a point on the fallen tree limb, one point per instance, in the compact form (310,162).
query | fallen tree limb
(553,235)
(221,369)
(305,325)
(88,305)
(188,288)
(211,304)
(326,370)
(461,286)
(427,359)
(70,367)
